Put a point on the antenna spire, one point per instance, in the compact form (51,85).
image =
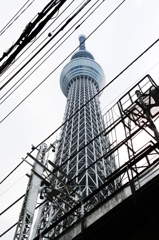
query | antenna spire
(82,42)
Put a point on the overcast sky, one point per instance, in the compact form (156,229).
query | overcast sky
(115,44)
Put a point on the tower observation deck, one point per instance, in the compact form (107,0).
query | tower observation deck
(83,65)
(81,145)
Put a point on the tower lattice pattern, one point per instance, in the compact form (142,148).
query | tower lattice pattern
(82,145)
(84,126)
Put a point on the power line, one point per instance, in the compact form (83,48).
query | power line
(12,171)
(48,52)
(61,29)
(12,204)
(13,184)
(30,32)
(15,17)
(33,57)
(37,39)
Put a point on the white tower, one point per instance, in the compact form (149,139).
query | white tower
(80,80)
(81,143)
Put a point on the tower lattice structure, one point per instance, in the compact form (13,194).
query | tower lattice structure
(81,142)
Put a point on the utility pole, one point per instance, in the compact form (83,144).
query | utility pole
(29,204)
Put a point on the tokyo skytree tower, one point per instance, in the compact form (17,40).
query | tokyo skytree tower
(80,143)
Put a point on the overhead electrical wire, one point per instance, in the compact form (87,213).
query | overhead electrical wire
(30,32)
(12,204)
(29,62)
(13,184)
(37,39)
(48,55)
(16,16)
(61,29)
(12,171)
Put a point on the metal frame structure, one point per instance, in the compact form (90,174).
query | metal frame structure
(30,200)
